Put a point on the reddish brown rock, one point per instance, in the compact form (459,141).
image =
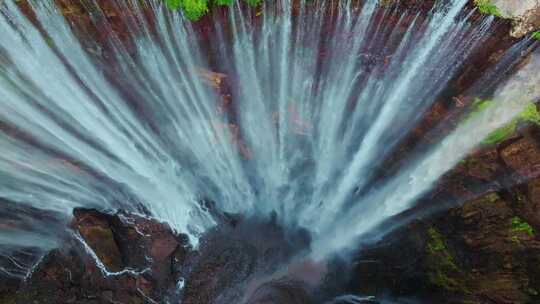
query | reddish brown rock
(484,167)
(531,203)
(96,230)
(523,157)
(473,254)
(485,251)
(163,247)
(137,254)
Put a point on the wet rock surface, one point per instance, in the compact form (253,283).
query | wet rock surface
(525,14)
(126,258)
(106,259)
(483,250)
(236,257)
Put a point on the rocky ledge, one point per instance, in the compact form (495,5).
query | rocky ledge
(106,259)
(525,14)
(130,259)
(485,249)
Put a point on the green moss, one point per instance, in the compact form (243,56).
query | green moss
(501,133)
(519,225)
(492,197)
(253,2)
(437,247)
(195,9)
(487,8)
(223,2)
(173,4)
(530,114)
(436,241)
(479,105)
(444,272)
(536,35)
(443,281)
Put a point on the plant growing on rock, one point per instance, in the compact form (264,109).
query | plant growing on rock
(487,8)
(519,225)
(195,9)
(443,270)
(253,2)
(529,115)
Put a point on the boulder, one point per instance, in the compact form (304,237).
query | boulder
(523,156)
(95,229)
(525,15)
(120,258)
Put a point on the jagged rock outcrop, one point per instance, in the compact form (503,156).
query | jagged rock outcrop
(121,258)
(525,15)
(486,250)
(126,258)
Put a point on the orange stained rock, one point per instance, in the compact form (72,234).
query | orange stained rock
(213,79)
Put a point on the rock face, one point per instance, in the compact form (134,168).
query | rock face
(109,259)
(125,258)
(525,15)
(486,250)
(236,256)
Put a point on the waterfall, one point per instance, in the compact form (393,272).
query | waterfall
(322,92)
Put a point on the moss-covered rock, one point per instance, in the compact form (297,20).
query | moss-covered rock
(520,226)
(195,9)
(529,115)
(487,7)
(443,272)
(525,14)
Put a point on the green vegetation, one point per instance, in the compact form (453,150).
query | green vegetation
(479,105)
(515,239)
(444,272)
(253,2)
(536,35)
(519,225)
(530,114)
(487,8)
(436,242)
(492,197)
(173,4)
(195,9)
(223,2)
(501,133)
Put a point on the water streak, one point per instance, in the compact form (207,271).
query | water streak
(322,93)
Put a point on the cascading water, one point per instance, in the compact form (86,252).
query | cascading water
(322,92)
